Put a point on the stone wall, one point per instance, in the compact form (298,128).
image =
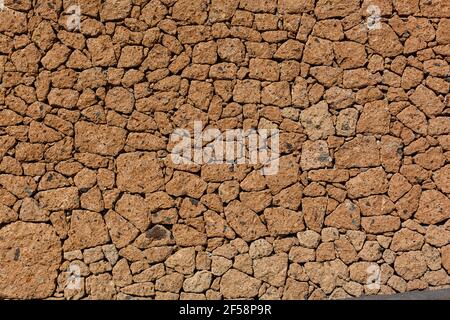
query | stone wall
(92,207)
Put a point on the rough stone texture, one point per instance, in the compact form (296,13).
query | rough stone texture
(87,229)
(271,269)
(139,172)
(410,265)
(372,181)
(361,152)
(236,284)
(30,257)
(91,116)
(434,207)
(244,221)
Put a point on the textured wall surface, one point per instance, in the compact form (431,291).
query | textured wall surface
(93,207)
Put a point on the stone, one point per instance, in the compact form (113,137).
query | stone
(216,226)
(442,179)
(318,52)
(120,99)
(329,175)
(139,172)
(140,289)
(205,53)
(271,269)
(325,274)
(345,216)
(346,122)
(7,215)
(260,248)
(199,282)
(357,78)
(411,78)
(350,55)
(153,12)
(294,6)
(380,224)
(31,254)
(59,199)
(113,10)
(360,271)
(432,159)
(236,284)
(220,265)
(100,139)
(121,231)
(184,183)
(295,290)
(26,60)
(360,152)
(281,221)
(13,21)
(325,252)
(21,187)
(291,49)
(329,234)
(289,198)
(374,119)
(427,101)
(100,287)
(345,251)
(438,8)
(56,56)
(434,207)
(329,77)
(335,8)
(186,236)
(190,11)
(330,29)
(87,229)
(134,209)
(31,211)
(158,57)
(200,94)
(182,261)
(361,179)
(391,152)
(231,50)
(170,283)
(414,119)
(244,221)
(101,51)
(437,125)
(385,41)
(308,239)
(410,265)
(445,254)
(407,240)
(315,155)
(301,255)
(40,133)
(264,69)
(442,36)
(406,7)
(376,205)
(222,10)
(437,236)
(398,186)
(288,172)
(370,182)
(258,5)
(277,93)
(317,121)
